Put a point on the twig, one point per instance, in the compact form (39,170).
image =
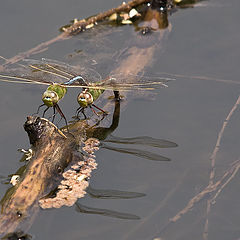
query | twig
(217,146)
(81,25)
(39,48)
(207,190)
(213,163)
(235,169)
(212,186)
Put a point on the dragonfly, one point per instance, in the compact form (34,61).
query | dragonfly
(65,76)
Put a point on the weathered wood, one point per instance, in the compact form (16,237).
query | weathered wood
(52,153)
(81,25)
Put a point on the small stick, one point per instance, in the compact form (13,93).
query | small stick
(213,163)
(79,26)
(212,187)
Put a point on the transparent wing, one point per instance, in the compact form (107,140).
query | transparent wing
(61,72)
(127,83)
(23,79)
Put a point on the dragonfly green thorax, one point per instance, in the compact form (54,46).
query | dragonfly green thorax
(88,96)
(59,76)
(53,94)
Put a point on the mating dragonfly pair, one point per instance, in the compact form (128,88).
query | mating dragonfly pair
(87,79)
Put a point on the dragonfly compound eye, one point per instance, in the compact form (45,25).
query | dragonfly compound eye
(50,98)
(85,99)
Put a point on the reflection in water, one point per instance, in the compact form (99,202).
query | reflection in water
(145,141)
(105,212)
(17,236)
(142,140)
(138,152)
(112,194)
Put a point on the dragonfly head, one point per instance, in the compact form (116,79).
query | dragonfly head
(85,99)
(50,98)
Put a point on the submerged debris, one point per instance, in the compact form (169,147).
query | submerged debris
(124,17)
(75,179)
(14,180)
(19,235)
(28,153)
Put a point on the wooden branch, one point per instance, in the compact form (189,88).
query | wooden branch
(81,25)
(52,152)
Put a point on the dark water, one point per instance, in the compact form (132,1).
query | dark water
(204,41)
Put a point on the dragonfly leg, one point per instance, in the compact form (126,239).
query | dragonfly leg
(45,112)
(80,110)
(85,117)
(54,114)
(62,115)
(99,109)
(117,95)
(94,111)
(39,109)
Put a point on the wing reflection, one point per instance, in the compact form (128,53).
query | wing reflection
(112,194)
(105,212)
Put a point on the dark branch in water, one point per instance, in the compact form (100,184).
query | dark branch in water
(79,26)
(52,153)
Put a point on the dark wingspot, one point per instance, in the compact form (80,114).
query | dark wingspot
(34,172)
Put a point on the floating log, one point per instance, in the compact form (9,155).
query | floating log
(57,173)
(52,150)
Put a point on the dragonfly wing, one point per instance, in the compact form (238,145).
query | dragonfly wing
(22,78)
(140,78)
(132,82)
(62,72)
(111,84)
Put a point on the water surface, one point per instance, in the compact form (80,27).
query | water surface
(204,41)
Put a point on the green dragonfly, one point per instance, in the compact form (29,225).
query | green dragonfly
(65,76)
